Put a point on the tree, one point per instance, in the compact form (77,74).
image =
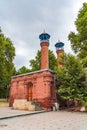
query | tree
(7,53)
(71,80)
(22,70)
(35,63)
(79,40)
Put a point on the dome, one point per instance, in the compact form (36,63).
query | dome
(44,36)
(59,45)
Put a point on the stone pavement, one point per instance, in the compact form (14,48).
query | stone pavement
(59,120)
(8,112)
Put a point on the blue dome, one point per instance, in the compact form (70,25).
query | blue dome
(59,45)
(44,36)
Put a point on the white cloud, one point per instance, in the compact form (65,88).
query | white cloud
(24,20)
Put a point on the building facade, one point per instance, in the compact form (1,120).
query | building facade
(38,86)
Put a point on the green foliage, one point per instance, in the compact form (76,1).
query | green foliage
(79,40)
(7,53)
(79,45)
(52,60)
(35,63)
(71,80)
(22,70)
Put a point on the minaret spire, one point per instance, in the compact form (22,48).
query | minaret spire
(44,31)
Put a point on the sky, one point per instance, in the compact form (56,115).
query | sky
(24,20)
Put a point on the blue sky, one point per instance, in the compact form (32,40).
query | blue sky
(24,20)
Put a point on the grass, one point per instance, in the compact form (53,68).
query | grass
(3,103)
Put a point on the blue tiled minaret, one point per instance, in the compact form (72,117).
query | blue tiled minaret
(44,43)
(59,50)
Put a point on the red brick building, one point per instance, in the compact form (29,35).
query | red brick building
(38,86)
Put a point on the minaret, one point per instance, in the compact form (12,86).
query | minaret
(59,50)
(44,43)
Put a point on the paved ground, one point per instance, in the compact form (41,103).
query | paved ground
(6,112)
(46,121)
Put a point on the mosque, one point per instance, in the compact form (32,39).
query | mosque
(37,86)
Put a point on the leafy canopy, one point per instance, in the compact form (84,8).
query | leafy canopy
(79,40)
(7,53)
(22,70)
(71,79)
